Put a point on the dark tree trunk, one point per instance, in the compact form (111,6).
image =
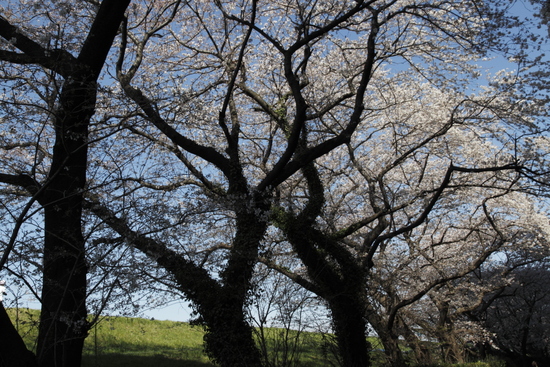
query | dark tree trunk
(13,352)
(451,350)
(422,353)
(388,339)
(219,303)
(349,328)
(341,286)
(335,275)
(392,350)
(229,339)
(63,326)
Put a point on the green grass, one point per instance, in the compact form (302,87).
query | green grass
(135,342)
(124,341)
(141,342)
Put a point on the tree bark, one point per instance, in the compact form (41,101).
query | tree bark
(349,328)
(337,277)
(220,303)
(422,354)
(342,286)
(229,339)
(13,351)
(388,339)
(63,326)
(451,351)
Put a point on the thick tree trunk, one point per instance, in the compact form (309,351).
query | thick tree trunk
(388,339)
(422,354)
(349,329)
(219,303)
(229,339)
(451,351)
(342,287)
(337,276)
(392,350)
(63,324)
(13,352)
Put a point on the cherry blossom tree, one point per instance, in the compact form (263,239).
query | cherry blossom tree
(47,105)
(355,132)
(433,171)
(262,131)
(271,110)
(449,312)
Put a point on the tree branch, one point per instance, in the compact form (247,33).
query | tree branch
(60,61)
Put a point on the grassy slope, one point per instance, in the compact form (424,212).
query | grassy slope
(134,342)
(122,341)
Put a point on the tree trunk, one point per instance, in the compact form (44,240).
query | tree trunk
(392,350)
(451,351)
(219,303)
(342,287)
(229,339)
(338,278)
(13,351)
(388,339)
(422,354)
(63,324)
(349,329)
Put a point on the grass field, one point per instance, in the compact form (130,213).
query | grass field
(122,341)
(135,342)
